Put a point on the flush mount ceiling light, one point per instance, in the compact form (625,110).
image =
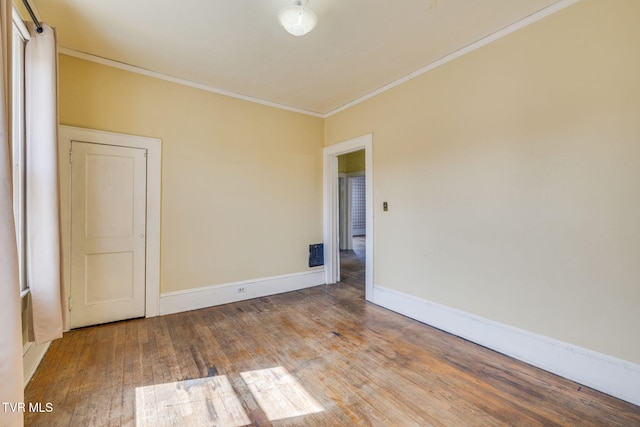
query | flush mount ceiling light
(297,19)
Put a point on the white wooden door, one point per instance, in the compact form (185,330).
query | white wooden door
(108,233)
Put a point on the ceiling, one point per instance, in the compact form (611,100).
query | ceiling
(238,46)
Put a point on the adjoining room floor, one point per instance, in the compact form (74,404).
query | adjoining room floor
(352,263)
(317,357)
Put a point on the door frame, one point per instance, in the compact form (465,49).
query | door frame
(67,134)
(330,192)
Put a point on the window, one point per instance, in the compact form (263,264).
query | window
(18,143)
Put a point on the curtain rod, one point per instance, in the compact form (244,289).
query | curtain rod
(39,28)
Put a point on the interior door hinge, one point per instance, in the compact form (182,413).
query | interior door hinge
(70,158)
(70,305)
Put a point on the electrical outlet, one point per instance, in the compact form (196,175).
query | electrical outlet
(241,290)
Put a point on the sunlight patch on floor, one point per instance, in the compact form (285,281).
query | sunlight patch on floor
(279,394)
(198,402)
(213,401)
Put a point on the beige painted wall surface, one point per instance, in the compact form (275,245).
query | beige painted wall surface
(513,179)
(241,182)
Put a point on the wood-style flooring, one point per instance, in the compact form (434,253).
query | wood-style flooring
(317,357)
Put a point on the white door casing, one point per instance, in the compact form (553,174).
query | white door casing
(153,146)
(108,233)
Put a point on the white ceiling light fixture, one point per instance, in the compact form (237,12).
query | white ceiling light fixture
(297,19)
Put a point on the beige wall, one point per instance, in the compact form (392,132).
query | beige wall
(513,179)
(241,182)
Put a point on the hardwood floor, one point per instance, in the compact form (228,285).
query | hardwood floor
(358,363)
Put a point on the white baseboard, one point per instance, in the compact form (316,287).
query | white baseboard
(193,299)
(31,357)
(604,373)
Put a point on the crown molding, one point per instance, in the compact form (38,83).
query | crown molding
(166,77)
(442,61)
(460,52)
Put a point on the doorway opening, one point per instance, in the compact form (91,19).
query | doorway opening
(363,243)
(352,218)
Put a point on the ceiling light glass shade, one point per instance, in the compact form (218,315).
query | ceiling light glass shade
(297,20)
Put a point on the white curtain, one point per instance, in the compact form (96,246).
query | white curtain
(42,211)
(11,390)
